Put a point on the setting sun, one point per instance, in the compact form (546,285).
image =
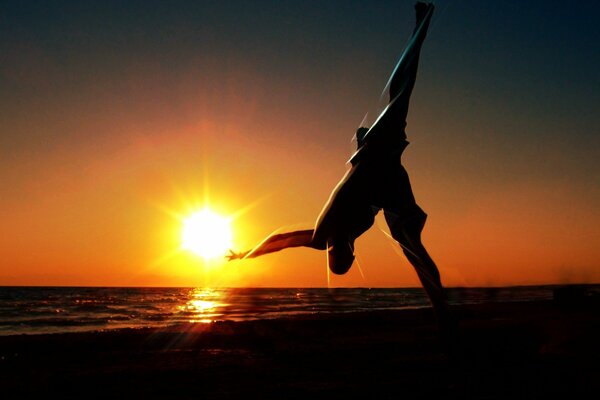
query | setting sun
(207,234)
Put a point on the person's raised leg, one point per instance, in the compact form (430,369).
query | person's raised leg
(404,76)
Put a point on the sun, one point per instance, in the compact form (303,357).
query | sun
(207,234)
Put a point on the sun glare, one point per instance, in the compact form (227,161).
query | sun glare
(207,234)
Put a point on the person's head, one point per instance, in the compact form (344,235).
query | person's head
(340,256)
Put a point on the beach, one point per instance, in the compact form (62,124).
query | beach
(523,350)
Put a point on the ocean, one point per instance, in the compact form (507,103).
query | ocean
(36,310)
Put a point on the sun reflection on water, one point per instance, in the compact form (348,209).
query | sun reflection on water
(204,305)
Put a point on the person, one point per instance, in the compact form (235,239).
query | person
(376,180)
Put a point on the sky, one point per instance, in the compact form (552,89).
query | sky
(118,119)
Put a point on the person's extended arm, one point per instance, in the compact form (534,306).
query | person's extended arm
(275,243)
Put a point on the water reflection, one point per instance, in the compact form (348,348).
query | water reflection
(204,305)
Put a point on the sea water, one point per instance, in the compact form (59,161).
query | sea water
(31,310)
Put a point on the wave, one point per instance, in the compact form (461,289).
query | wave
(44,310)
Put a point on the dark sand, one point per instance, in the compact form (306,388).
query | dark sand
(505,351)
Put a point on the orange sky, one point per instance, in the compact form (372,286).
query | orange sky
(92,159)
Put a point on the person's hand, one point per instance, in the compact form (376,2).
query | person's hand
(235,255)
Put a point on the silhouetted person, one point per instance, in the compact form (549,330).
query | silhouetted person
(376,181)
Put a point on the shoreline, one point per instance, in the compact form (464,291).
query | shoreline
(521,349)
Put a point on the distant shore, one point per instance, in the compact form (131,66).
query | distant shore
(503,350)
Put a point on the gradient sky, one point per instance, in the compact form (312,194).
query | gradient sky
(115,115)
